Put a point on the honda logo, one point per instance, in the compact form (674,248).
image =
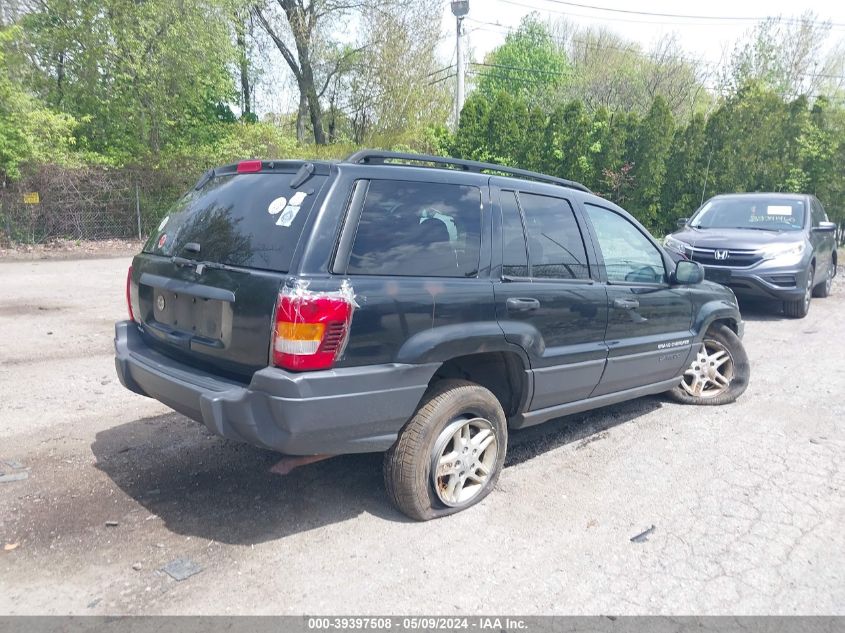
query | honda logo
(721,254)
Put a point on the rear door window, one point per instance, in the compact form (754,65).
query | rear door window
(418,229)
(250,220)
(555,246)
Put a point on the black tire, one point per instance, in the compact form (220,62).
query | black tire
(799,308)
(720,336)
(407,465)
(823,289)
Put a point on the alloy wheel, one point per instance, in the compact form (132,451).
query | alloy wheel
(463,458)
(710,373)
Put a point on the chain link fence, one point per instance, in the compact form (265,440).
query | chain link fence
(90,203)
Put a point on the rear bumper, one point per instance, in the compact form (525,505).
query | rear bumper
(781,283)
(350,410)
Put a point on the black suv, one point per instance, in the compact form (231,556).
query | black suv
(417,305)
(770,245)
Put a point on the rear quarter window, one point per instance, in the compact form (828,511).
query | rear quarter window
(418,229)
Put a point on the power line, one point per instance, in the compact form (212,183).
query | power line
(524,80)
(716,20)
(536,71)
(440,70)
(693,17)
(442,79)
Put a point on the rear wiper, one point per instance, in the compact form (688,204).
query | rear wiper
(184,261)
(304,173)
(203,181)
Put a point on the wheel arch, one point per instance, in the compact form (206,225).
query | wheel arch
(503,373)
(719,311)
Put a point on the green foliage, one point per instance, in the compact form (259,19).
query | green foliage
(654,138)
(28,131)
(529,65)
(755,141)
(140,77)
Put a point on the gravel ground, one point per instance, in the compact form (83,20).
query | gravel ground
(747,500)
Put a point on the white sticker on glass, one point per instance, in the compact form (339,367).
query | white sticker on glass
(292,209)
(779,210)
(277,205)
(163,223)
(288,216)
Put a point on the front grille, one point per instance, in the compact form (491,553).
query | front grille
(734,259)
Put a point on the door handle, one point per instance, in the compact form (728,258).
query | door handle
(522,305)
(626,304)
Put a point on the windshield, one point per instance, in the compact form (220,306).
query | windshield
(766,213)
(251,220)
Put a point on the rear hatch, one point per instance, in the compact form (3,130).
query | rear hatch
(206,284)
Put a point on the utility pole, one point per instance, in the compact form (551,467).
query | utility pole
(460,8)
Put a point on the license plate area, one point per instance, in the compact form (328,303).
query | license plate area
(195,316)
(718,275)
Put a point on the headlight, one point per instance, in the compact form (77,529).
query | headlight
(782,250)
(676,245)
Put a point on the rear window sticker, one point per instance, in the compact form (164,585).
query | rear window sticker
(277,205)
(163,223)
(774,209)
(297,198)
(162,240)
(292,209)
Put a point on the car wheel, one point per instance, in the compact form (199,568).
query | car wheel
(823,289)
(719,373)
(799,308)
(449,455)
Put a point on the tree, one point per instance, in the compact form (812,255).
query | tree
(653,143)
(391,91)
(613,73)
(686,170)
(783,55)
(28,131)
(494,130)
(313,57)
(567,140)
(138,76)
(529,65)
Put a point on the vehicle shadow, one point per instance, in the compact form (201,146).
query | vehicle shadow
(204,486)
(761,310)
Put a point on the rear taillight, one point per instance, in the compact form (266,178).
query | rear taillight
(310,331)
(129,294)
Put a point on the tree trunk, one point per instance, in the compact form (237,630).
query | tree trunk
(60,78)
(244,68)
(307,87)
(301,113)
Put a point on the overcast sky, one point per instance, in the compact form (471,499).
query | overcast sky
(703,38)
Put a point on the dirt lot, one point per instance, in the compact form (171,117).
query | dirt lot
(748,501)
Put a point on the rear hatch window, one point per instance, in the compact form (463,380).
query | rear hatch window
(252,220)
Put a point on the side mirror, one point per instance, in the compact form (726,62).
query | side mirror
(682,222)
(688,273)
(825,226)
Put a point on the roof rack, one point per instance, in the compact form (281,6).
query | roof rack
(378,157)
